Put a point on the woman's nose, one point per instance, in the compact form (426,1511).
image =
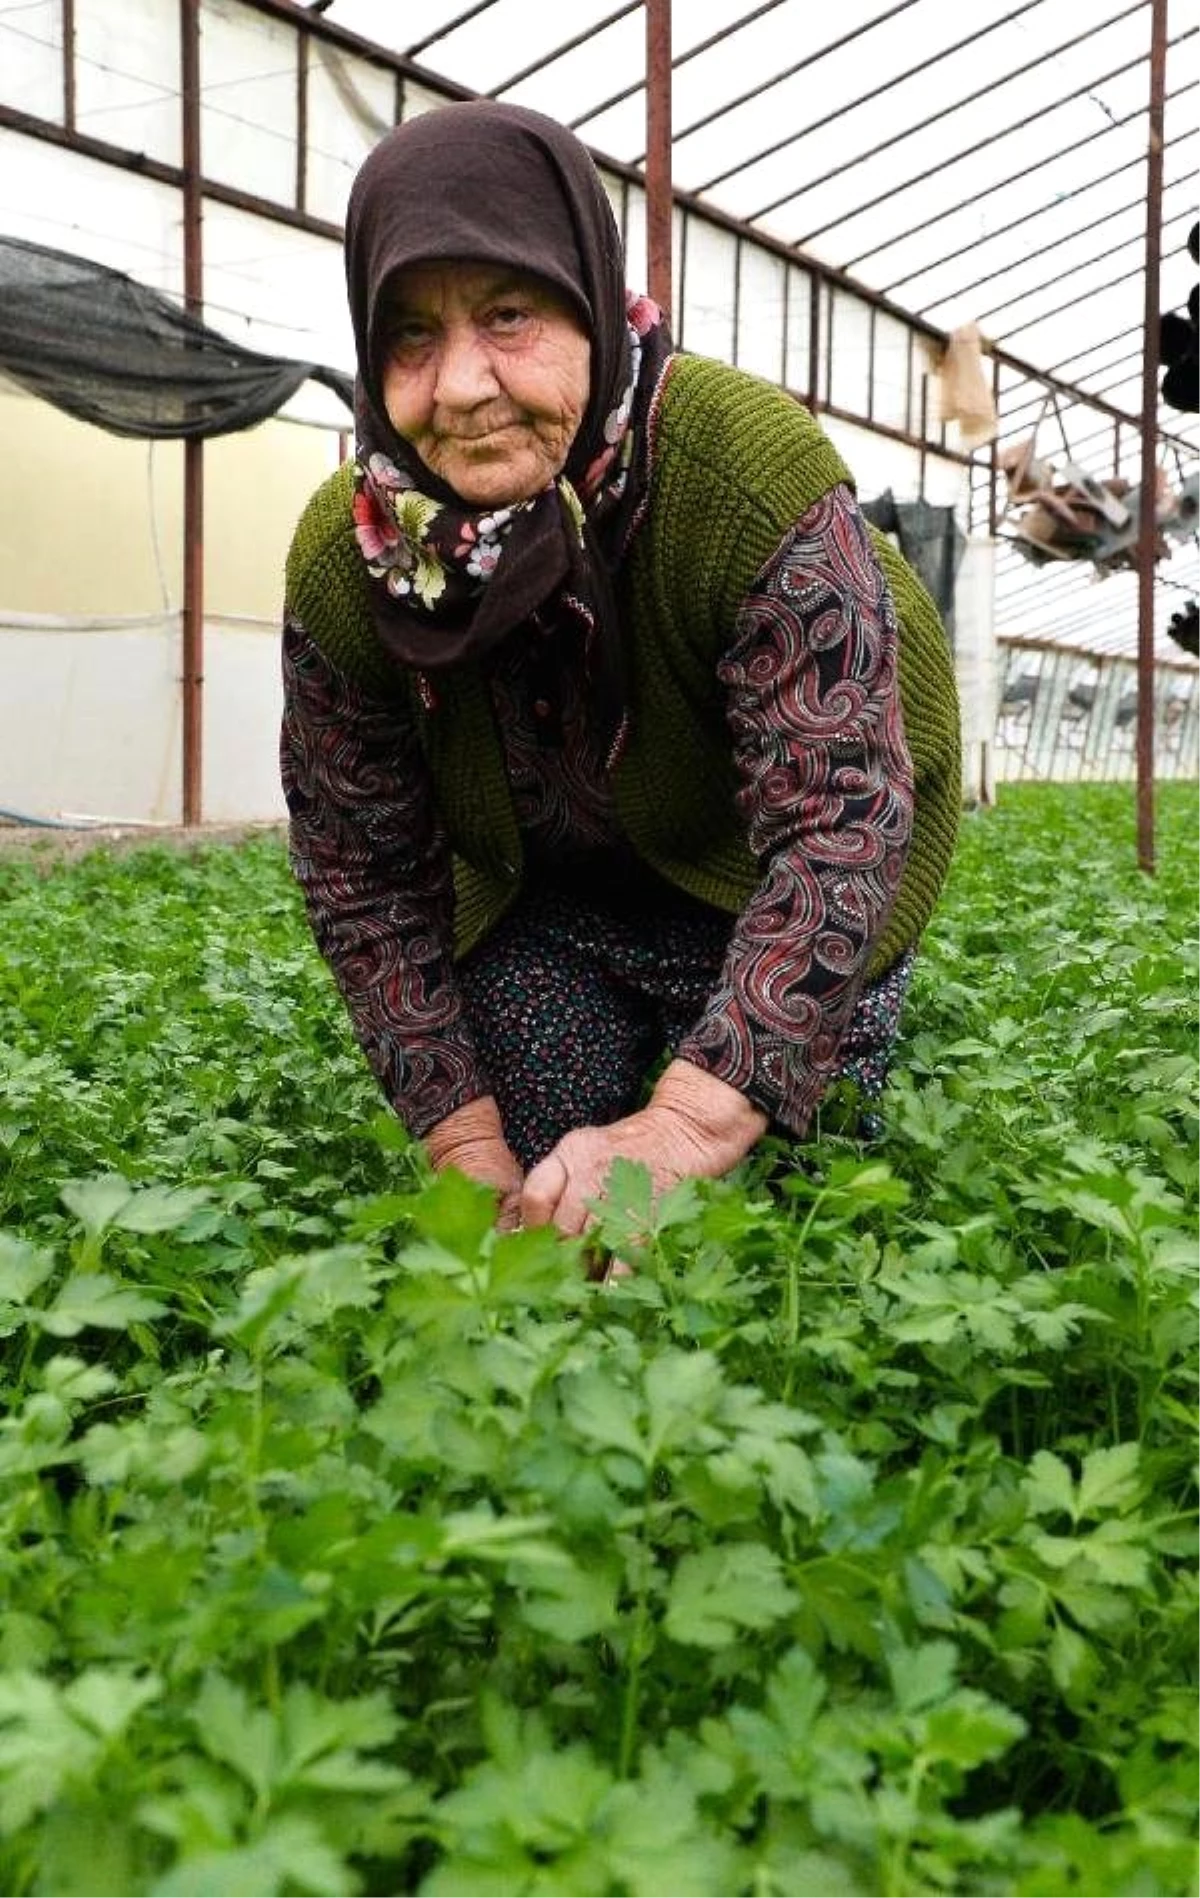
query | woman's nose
(464,368)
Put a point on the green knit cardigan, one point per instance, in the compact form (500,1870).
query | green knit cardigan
(736,461)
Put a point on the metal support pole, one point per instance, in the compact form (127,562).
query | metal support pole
(303,60)
(68,49)
(659,201)
(993,519)
(923,455)
(817,303)
(1147,532)
(193,450)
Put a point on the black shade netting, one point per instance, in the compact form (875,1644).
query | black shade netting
(110,351)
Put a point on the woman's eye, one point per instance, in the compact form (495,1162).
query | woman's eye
(507,318)
(408,333)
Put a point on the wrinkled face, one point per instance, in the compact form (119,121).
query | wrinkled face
(486,377)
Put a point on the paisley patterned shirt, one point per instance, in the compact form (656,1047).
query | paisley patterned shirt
(826,793)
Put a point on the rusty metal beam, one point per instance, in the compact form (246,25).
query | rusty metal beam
(68,55)
(659,196)
(193,451)
(1146,519)
(303,48)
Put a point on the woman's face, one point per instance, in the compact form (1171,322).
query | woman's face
(487,375)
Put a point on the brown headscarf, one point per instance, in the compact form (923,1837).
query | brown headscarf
(482,182)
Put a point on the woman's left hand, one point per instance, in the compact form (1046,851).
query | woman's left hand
(472,1139)
(692,1126)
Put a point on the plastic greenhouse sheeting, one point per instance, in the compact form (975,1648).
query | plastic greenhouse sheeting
(110,351)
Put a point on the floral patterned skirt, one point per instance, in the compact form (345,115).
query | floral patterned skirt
(574,1004)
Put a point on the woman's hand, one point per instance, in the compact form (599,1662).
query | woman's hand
(692,1126)
(472,1139)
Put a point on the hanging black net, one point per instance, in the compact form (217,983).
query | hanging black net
(108,350)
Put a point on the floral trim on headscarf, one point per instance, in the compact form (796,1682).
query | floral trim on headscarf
(640,315)
(419,547)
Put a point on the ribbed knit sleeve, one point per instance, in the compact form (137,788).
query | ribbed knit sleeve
(374,868)
(827,798)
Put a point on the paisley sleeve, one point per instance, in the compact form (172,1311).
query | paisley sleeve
(374,869)
(826,791)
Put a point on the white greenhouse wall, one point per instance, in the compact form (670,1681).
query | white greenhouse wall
(89,622)
(90,723)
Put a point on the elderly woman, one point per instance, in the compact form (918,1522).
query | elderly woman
(621,757)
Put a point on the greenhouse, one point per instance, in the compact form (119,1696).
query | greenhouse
(816,1519)
(206,154)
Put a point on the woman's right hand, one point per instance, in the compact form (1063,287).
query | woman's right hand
(693,1126)
(472,1139)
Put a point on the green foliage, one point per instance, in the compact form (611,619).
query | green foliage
(847,1546)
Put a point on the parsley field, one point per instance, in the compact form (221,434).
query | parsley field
(846,1547)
